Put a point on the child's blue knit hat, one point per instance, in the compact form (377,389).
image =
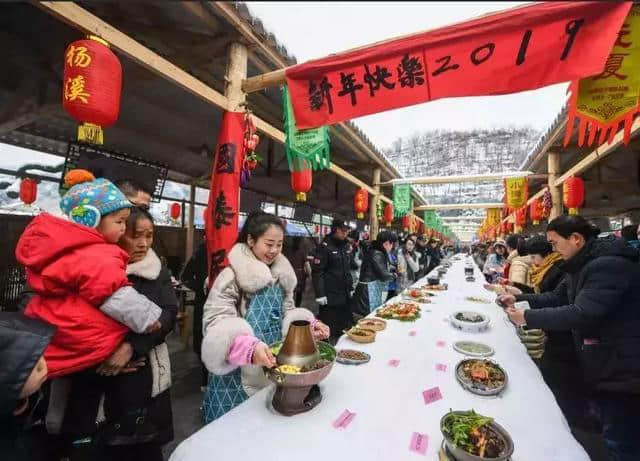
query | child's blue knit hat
(89,199)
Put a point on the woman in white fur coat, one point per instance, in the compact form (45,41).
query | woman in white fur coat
(250,306)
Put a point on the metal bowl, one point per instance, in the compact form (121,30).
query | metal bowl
(477,388)
(461,455)
(309,378)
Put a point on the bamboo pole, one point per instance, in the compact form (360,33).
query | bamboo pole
(553,166)
(188,248)
(458,206)
(460,178)
(373,209)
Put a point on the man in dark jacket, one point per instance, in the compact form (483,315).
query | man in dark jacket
(599,301)
(331,272)
(423,253)
(22,371)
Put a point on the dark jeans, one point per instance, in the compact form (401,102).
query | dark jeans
(337,318)
(198,312)
(617,414)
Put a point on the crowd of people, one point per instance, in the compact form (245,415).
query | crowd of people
(86,371)
(581,291)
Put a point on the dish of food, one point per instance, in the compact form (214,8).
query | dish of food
(407,312)
(473,348)
(372,324)
(470,321)
(437,287)
(481,376)
(475,434)
(478,299)
(352,357)
(361,335)
(316,366)
(469,317)
(289,369)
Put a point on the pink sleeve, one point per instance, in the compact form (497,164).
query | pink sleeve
(313,322)
(241,350)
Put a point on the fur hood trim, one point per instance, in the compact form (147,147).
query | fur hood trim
(252,275)
(148,268)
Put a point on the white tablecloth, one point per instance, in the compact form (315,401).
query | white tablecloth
(388,401)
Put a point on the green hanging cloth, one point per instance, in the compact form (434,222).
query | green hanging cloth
(402,201)
(430,219)
(310,145)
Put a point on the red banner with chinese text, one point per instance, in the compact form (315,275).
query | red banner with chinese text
(221,215)
(516,50)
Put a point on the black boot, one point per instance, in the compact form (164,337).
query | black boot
(133,428)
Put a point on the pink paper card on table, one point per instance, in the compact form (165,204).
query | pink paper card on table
(431,395)
(419,443)
(344,419)
(394,362)
(441,367)
(413,333)
(441,343)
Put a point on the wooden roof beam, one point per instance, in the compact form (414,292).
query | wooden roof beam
(458,206)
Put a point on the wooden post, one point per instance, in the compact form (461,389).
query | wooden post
(374,225)
(188,248)
(553,165)
(236,73)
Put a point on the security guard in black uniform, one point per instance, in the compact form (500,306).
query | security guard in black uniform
(332,263)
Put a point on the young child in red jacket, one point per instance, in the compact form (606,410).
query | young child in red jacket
(79,276)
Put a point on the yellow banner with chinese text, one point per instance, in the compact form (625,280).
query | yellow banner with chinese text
(602,101)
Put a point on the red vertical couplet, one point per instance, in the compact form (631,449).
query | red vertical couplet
(221,217)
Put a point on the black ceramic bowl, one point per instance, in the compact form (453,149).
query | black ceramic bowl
(433,281)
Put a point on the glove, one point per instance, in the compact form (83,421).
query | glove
(351,293)
(322,301)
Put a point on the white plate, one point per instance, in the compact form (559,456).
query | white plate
(472,327)
(459,347)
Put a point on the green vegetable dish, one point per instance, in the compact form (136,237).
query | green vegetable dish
(473,433)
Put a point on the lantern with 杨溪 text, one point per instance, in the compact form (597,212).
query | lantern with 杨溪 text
(573,194)
(92,82)
(28,190)
(535,211)
(361,203)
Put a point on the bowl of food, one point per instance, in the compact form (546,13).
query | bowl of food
(481,376)
(288,375)
(361,335)
(372,324)
(433,281)
(352,357)
(470,321)
(473,437)
(468,270)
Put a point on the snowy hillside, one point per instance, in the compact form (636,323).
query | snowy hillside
(445,153)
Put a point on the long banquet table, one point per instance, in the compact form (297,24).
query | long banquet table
(388,401)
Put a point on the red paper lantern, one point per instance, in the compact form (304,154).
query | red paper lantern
(388,214)
(361,203)
(175,210)
(573,194)
(28,190)
(91,87)
(536,211)
(521,216)
(301,182)
(406,222)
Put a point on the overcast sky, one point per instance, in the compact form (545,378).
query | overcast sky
(312,30)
